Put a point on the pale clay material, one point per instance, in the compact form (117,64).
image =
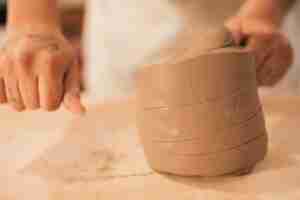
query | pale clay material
(202,116)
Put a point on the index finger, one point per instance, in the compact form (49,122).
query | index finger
(72,98)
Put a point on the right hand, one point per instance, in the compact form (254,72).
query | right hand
(39,70)
(272,49)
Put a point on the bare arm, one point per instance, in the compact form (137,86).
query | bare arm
(40,15)
(272,11)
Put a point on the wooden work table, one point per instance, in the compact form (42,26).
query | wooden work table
(57,156)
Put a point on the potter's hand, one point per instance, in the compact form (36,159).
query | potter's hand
(39,70)
(272,49)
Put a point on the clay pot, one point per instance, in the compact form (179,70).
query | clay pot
(202,116)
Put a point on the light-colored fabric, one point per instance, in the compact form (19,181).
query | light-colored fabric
(121,34)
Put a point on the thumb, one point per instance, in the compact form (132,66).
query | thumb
(235,28)
(72,100)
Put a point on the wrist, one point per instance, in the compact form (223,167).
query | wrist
(33,15)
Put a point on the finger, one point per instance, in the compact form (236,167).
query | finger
(3,98)
(5,63)
(11,86)
(50,81)
(72,99)
(30,92)
(28,83)
(50,92)
(14,97)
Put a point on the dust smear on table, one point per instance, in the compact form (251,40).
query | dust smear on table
(94,150)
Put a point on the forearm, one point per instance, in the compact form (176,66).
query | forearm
(37,15)
(268,10)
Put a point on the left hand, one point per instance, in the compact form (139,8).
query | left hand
(40,70)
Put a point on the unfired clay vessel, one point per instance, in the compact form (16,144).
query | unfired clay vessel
(201,115)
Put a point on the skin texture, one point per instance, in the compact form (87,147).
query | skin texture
(258,26)
(38,66)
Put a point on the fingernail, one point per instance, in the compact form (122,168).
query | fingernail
(82,111)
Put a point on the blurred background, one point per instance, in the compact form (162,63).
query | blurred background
(91,157)
(73,12)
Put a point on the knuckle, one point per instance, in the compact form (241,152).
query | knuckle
(54,47)
(51,65)
(53,57)
(9,72)
(280,39)
(18,108)
(4,58)
(32,107)
(22,71)
(23,59)
(23,63)
(49,58)
(53,71)
(273,33)
(5,61)
(31,103)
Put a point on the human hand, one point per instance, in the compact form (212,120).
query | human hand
(272,49)
(39,70)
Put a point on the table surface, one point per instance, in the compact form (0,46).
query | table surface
(58,156)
